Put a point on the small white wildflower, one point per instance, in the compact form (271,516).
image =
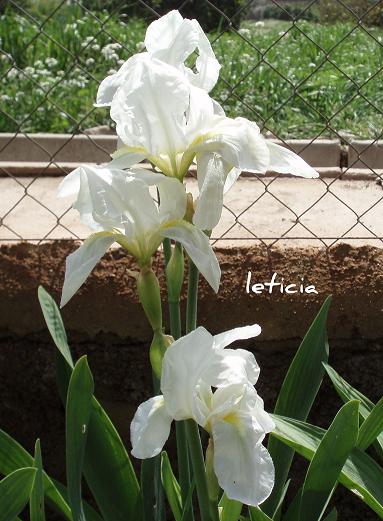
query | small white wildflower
(245,32)
(259,24)
(13,73)
(111,71)
(120,62)
(51,62)
(41,109)
(95,47)
(246,56)
(140,46)
(38,63)
(4,97)
(29,70)
(89,62)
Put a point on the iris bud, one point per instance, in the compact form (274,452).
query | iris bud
(175,273)
(150,297)
(157,350)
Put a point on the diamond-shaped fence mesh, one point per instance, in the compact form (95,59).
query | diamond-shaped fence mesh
(308,72)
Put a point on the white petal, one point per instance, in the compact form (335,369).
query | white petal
(150,113)
(233,366)
(211,172)
(239,142)
(125,160)
(231,179)
(182,367)
(239,333)
(285,161)
(122,199)
(198,248)
(150,428)
(110,84)
(172,199)
(70,185)
(81,262)
(173,39)
(207,65)
(244,468)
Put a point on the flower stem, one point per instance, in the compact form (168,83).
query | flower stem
(199,470)
(208,508)
(191,307)
(182,448)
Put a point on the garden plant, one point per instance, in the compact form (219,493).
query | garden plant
(233,458)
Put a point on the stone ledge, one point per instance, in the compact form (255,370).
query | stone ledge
(365,154)
(83,148)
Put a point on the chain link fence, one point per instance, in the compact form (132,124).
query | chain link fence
(308,72)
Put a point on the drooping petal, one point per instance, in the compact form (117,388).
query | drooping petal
(233,366)
(231,179)
(81,262)
(212,171)
(150,428)
(172,199)
(244,468)
(239,333)
(285,161)
(239,142)
(262,417)
(198,248)
(150,113)
(182,366)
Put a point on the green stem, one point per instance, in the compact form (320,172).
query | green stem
(175,319)
(182,448)
(191,308)
(208,509)
(167,250)
(199,470)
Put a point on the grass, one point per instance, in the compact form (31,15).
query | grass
(275,73)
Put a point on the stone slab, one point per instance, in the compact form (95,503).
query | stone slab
(85,148)
(365,154)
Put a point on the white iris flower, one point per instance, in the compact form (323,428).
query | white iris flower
(233,415)
(164,114)
(117,204)
(170,39)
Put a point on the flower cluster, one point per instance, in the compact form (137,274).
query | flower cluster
(233,415)
(164,114)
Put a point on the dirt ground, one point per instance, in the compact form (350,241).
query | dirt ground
(108,303)
(105,321)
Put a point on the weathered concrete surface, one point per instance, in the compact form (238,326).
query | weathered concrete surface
(365,154)
(86,148)
(267,207)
